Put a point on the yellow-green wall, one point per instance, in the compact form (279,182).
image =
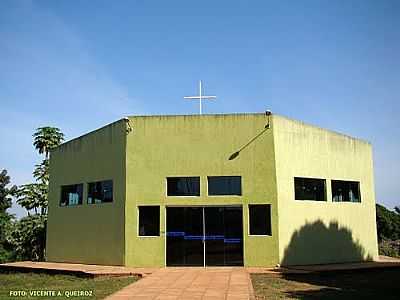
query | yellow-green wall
(162,146)
(138,162)
(91,234)
(312,232)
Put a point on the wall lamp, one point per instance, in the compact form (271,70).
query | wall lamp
(128,125)
(268,113)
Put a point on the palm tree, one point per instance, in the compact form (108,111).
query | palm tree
(46,138)
(41,172)
(33,196)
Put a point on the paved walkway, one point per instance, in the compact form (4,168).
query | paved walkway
(190,284)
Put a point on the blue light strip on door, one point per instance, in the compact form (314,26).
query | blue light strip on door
(232,241)
(175,233)
(193,237)
(207,237)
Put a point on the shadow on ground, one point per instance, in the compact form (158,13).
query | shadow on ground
(317,243)
(360,284)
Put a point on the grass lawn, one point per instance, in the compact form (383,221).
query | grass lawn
(371,284)
(65,284)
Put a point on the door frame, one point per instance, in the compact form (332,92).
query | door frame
(204,244)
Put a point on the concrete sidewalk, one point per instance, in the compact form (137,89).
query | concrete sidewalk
(191,283)
(188,282)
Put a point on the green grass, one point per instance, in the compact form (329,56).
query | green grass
(372,284)
(100,287)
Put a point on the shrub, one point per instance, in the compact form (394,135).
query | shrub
(389,248)
(28,238)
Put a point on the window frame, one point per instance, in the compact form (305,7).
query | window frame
(311,178)
(224,195)
(182,196)
(87,194)
(61,194)
(347,182)
(138,222)
(249,219)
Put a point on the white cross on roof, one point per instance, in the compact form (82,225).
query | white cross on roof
(200,97)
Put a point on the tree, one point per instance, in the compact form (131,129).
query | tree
(5,218)
(28,236)
(46,138)
(397,209)
(5,192)
(41,172)
(388,223)
(33,196)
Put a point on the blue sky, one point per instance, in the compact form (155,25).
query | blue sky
(78,65)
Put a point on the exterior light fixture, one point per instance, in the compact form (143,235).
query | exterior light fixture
(268,113)
(128,124)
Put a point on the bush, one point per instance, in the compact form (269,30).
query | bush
(5,248)
(388,223)
(389,248)
(28,238)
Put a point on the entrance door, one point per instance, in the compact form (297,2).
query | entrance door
(185,236)
(223,236)
(198,236)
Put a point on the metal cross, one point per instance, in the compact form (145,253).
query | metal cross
(200,97)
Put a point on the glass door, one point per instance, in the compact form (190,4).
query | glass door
(204,236)
(223,236)
(185,236)
(233,236)
(214,236)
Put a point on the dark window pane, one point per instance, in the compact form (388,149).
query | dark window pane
(309,189)
(224,185)
(183,186)
(149,220)
(71,194)
(100,191)
(260,219)
(345,191)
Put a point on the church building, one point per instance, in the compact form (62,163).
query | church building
(251,189)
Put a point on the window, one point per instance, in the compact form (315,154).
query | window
(149,220)
(345,191)
(224,185)
(309,189)
(260,219)
(183,186)
(100,191)
(71,194)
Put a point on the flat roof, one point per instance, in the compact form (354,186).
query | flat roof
(213,115)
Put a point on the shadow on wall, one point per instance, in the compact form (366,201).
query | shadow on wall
(315,243)
(236,154)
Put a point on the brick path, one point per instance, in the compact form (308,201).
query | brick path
(190,284)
